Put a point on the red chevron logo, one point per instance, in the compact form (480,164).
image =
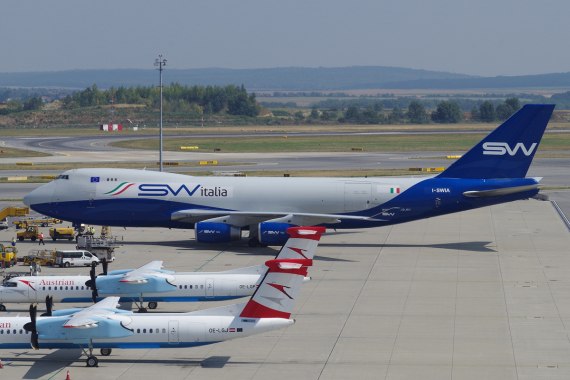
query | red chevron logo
(299,251)
(281,288)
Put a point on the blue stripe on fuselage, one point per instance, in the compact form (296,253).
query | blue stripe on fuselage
(417,202)
(154,299)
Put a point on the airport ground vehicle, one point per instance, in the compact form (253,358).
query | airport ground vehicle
(102,247)
(13,211)
(43,222)
(31,232)
(8,256)
(44,257)
(4,224)
(62,233)
(77,258)
(220,208)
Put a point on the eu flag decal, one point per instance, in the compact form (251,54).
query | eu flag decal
(94,179)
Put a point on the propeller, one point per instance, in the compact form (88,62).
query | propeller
(92,282)
(105,266)
(49,307)
(31,327)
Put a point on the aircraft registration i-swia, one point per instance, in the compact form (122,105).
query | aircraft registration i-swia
(104,326)
(219,208)
(150,283)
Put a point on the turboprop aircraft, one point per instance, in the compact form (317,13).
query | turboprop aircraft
(150,283)
(104,326)
(219,208)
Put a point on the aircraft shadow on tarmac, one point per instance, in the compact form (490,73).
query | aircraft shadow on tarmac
(44,365)
(471,246)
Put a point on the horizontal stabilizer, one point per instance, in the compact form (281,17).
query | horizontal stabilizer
(499,192)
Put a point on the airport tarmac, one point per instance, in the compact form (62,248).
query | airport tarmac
(482,294)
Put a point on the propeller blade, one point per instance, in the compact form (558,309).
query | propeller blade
(31,327)
(49,305)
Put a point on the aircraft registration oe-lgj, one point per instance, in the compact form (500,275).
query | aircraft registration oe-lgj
(104,326)
(150,283)
(219,208)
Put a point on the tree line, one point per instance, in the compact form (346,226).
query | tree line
(447,111)
(194,100)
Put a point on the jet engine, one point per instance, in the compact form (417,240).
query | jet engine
(273,233)
(208,232)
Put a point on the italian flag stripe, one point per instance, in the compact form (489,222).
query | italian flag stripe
(394,190)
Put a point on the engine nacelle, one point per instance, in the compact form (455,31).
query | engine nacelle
(208,232)
(270,233)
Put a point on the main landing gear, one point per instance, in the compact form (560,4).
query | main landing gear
(92,360)
(2,307)
(151,305)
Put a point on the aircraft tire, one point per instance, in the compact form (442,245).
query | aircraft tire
(152,305)
(92,361)
(106,351)
(2,307)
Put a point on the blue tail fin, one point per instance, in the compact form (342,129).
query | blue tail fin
(507,151)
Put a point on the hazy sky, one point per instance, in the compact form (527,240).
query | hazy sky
(482,37)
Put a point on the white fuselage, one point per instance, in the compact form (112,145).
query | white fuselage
(152,331)
(186,287)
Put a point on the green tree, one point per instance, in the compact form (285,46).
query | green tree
(34,103)
(475,113)
(417,113)
(396,116)
(487,112)
(447,112)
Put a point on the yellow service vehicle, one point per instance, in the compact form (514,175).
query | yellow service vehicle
(44,257)
(62,233)
(31,232)
(44,222)
(8,256)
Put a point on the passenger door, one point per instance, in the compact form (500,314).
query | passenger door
(173,337)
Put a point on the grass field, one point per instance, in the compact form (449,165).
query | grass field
(369,143)
(6,152)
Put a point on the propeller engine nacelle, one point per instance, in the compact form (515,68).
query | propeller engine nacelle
(120,285)
(272,233)
(210,232)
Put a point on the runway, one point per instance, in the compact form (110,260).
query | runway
(473,295)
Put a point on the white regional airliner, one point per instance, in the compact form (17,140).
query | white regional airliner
(150,283)
(104,326)
(218,208)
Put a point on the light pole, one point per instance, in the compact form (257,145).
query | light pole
(160,62)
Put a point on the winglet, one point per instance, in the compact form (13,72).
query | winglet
(507,152)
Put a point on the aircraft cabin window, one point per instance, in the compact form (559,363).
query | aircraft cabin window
(138,331)
(190,286)
(164,331)
(144,331)
(150,331)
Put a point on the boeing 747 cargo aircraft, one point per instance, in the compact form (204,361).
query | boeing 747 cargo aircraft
(219,208)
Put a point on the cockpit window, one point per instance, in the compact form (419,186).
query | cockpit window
(10,284)
(62,176)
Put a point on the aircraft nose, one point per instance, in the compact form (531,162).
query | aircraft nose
(39,195)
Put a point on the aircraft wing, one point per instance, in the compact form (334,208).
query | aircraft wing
(90,316)
(139,275)
(244,218)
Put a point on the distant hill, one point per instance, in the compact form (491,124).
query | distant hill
(279,79)
(285,79)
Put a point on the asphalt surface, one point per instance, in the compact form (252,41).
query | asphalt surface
(481,294)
